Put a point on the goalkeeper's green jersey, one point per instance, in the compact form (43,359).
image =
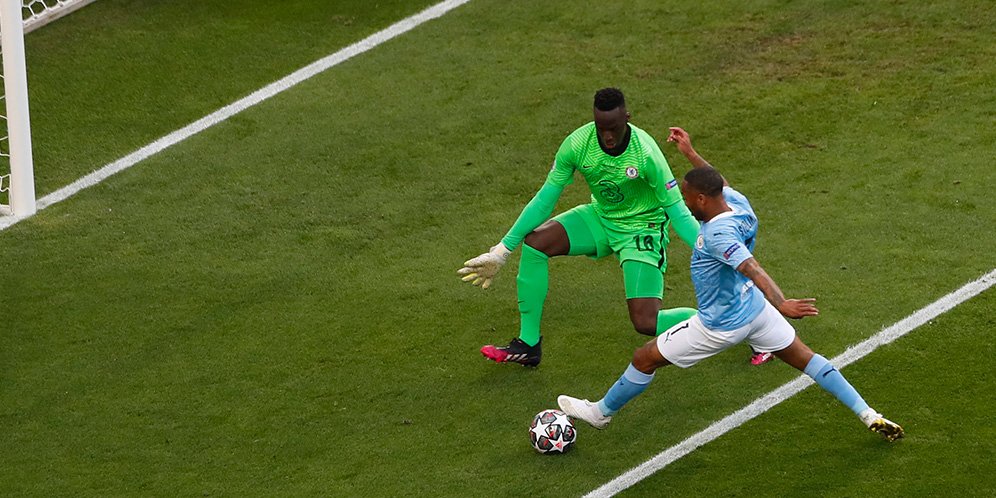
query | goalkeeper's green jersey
(632,189)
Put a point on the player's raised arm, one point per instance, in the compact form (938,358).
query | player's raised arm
(683,141)
(792,308)
(665,186)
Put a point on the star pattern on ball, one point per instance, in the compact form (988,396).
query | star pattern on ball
(552,431)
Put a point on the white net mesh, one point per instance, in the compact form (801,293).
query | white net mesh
(4,156)
(37,13)
(4,147)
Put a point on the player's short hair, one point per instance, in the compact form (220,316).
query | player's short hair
(607,99)
(706,180)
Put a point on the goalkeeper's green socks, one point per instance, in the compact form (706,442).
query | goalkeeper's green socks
(670,317)
(532,285)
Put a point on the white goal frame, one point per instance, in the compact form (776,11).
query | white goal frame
(18,17)
(21,184)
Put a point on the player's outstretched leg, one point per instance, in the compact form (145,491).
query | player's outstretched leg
(583,409)
(632,382)
(517,351)
(877,423)
(830,379)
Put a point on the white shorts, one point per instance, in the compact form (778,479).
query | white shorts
(690,342)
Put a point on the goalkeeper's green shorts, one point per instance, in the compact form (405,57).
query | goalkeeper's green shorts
(594,236)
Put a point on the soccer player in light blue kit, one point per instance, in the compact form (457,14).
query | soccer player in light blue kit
(738,302)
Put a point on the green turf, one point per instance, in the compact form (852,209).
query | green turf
(271,307)
(934,382)
(122,73)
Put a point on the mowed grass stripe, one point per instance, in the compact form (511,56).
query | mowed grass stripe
(275,88)
(271,309)
(786,391)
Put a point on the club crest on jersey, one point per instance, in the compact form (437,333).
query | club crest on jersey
(671,184)
(730,250)
(699,242)
(632,173)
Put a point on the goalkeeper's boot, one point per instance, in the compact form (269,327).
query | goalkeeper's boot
(583,409)
(517,351)
(890,430)
(760,358)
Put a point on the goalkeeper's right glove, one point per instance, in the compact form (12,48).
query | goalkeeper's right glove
(482,269)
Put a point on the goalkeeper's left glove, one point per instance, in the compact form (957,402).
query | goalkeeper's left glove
(482,269)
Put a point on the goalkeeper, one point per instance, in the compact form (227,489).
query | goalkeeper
(634,197)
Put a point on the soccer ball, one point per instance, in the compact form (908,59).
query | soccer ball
(552,432)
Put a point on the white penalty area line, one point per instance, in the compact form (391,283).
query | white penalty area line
(768,401)
(305,73)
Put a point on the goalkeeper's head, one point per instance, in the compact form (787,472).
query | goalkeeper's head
(611,117)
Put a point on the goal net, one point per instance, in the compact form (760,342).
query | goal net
(37,13)
(17,190)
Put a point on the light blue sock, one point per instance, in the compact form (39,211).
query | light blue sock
(829,378)
(632,383)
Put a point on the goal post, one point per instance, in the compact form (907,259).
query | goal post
(17,17)
(21,180)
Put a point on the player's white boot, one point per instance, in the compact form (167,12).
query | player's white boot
(877,423)
(584,410)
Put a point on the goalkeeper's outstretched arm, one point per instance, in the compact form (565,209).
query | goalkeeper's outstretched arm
(482,269)
(533,215)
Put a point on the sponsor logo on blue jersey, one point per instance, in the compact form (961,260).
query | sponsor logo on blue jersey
(730,250)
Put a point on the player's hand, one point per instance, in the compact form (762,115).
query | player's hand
(798,308)
(681,138)
(482,269)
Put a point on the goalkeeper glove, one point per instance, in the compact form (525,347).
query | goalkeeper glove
(482,269)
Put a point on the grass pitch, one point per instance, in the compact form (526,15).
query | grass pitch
(271,307)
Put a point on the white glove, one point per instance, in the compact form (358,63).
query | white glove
(482,269)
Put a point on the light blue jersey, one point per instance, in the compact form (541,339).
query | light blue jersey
(727,299)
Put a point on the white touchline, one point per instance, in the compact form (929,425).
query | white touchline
(766,402)
(398,28)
